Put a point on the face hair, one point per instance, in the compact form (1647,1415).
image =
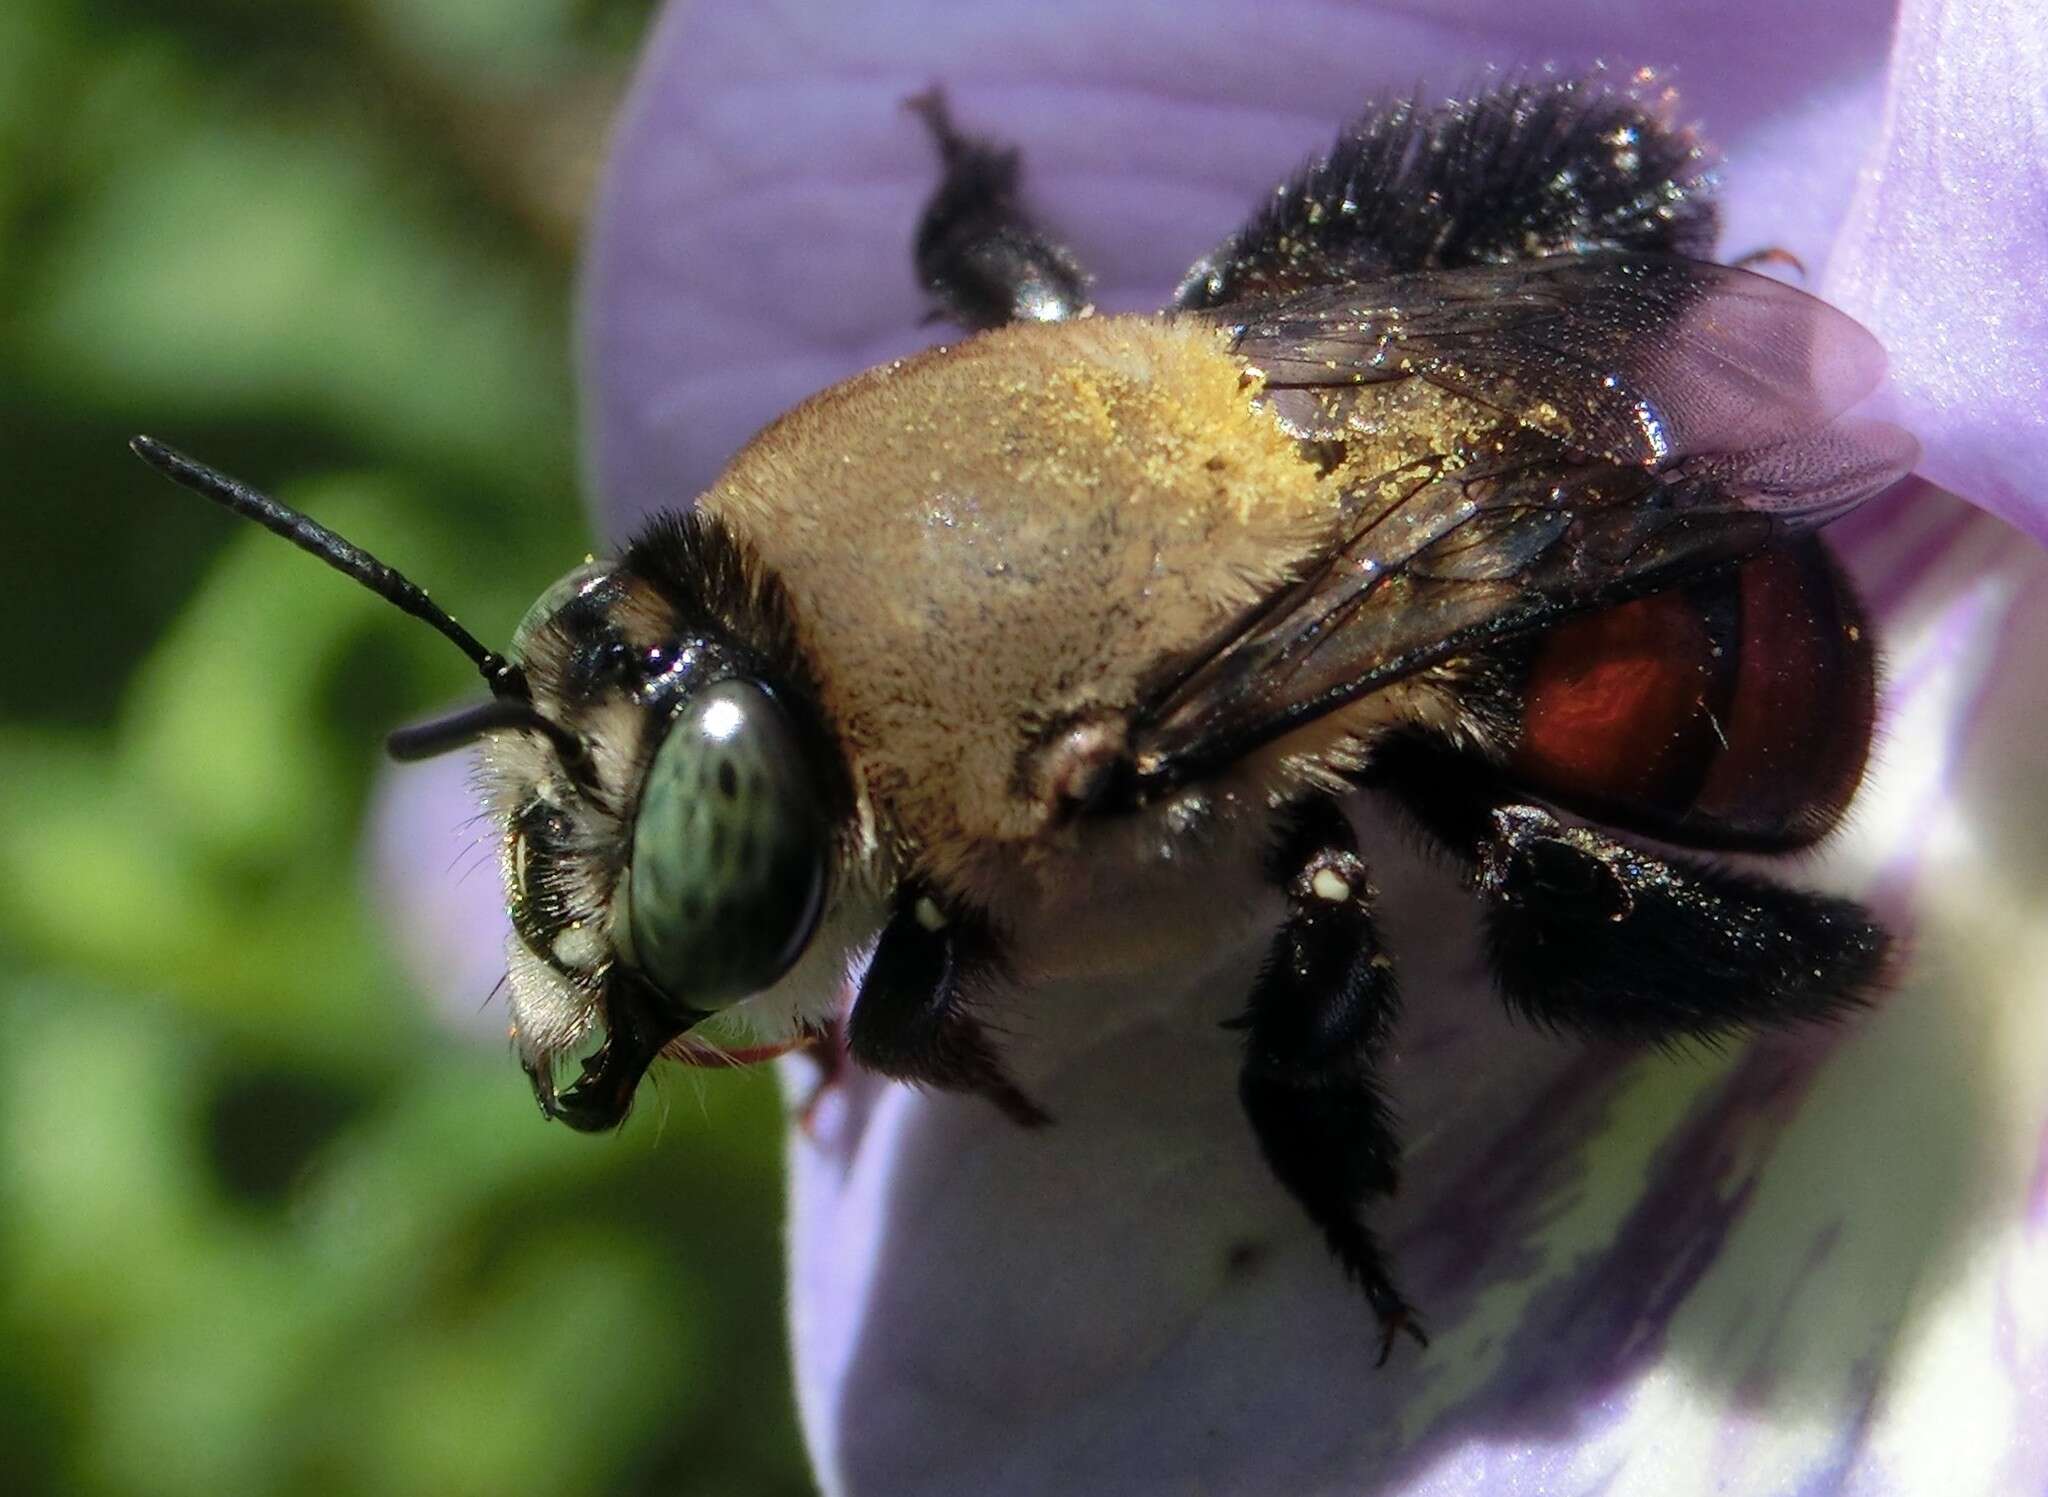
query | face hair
(513,705)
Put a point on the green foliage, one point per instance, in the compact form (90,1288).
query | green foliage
(267,1223)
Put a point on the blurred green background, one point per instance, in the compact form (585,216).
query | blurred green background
(266,1224)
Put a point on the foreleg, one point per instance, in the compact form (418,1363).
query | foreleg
(913,1019)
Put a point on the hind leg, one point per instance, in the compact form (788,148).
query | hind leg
(1587,932)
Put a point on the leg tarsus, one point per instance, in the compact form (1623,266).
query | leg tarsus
(829,1056)
(1401,1322)
(978,251)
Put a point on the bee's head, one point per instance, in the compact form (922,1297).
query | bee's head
(672,805)
(670,837)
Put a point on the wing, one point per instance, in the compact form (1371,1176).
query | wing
(1657,417)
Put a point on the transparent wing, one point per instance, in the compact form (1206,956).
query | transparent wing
(1659,417)
(1634,358)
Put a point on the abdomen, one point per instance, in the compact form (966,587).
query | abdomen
(1732,712)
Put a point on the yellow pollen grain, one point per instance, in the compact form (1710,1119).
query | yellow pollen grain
(1328,885)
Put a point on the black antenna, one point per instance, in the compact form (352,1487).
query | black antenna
(464,726)
(507,681)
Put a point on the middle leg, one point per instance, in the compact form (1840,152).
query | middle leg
(1320,1014)
(979,252)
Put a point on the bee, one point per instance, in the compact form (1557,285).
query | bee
(1460,473)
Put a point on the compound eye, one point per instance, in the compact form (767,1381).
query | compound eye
(730,851)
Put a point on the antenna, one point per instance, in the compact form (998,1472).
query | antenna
(506,680)
(465,725)
(512,706)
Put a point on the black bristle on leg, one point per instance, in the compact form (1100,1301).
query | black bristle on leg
(1320,1013)
(1539,167)
(1589,933)
(978,250)
(913,1020)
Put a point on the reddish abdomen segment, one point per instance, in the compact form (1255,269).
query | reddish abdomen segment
(1732,712)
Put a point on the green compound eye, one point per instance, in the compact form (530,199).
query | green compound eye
(730,851)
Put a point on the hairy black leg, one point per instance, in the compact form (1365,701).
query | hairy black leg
(912,1019)
(1320,1013)
(1590,933)
(1587,932)
(978,250)
(1541,166)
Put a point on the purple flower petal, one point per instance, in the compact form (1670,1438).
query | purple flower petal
(1941,255)
(1815,1264)
(435,866)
